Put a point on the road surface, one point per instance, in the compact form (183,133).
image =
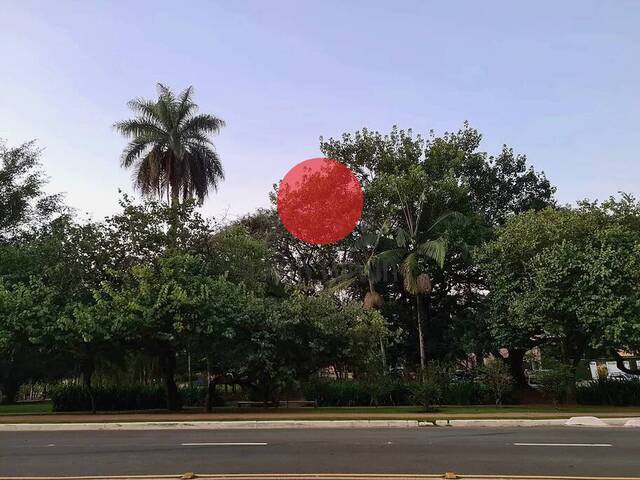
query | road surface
(515,451)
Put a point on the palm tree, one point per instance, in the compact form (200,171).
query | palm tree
(367,270)
(415,249)
(169,150)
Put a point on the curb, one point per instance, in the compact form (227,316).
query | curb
(295,424)
(501,423)
(571,422)
(230,425)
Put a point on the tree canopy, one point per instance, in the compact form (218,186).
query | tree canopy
(458,253)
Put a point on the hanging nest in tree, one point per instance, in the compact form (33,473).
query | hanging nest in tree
(424,283)
(373,300)
(418,286)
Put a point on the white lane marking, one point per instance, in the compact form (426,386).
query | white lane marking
(224,444)
(51,445)
(563,444)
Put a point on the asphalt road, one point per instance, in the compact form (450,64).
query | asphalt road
(515,451)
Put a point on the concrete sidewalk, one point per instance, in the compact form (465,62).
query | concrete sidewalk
(288,424)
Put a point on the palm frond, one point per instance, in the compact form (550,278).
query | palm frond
(365,240)
(170,149)
(450,219)
(144,107)
(389,258)
(140,126)
(203,123)
(343,281)
(186,106)
(134,150)
(434,249)
(402,238)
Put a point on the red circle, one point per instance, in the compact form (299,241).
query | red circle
(320,201)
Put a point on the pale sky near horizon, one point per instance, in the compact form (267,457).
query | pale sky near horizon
(557,81)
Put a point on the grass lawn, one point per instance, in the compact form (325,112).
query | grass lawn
(444,410)
(22,411)
(26,407)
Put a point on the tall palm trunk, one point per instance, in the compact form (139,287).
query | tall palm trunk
(420,336)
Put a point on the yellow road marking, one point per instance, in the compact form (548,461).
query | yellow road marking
(324,476)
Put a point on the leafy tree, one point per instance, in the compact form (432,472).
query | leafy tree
(293,262)
(25,311)
(88,333)
(143,232)
(405,173)
(228,323)
(158,304)
(72,259)
(239,257)
(495,186)
(567,278)
(170,149)
(23,204)
(318,332)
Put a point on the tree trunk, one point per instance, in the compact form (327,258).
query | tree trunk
(420,337)
(383,355)
(571,388)
(211,389)
(211,392)
(168,369)
(516,365)
(189,367)
(88,367)
(10,388)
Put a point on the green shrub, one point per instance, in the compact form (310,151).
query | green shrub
(329,393)
(389,392)
(608,391)
(70,398)
(401,393)
(425,393)
(465,393)
(195,396)
(555,382)
(496,378)
(381,391)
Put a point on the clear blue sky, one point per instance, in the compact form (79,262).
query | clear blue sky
(557,80)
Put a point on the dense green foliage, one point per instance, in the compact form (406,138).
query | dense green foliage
(606,391)
(567,279)
(75,398)
(459,254)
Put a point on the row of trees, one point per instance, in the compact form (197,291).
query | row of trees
(160,282)
(457,253)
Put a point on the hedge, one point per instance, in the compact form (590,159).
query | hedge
(329,393)
(609,391)
(75,398)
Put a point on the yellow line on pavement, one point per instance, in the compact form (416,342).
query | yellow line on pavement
(323,476)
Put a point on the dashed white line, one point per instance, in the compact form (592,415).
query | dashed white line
(224,444)
(563,444)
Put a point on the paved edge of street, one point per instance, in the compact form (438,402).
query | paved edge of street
(281,424)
